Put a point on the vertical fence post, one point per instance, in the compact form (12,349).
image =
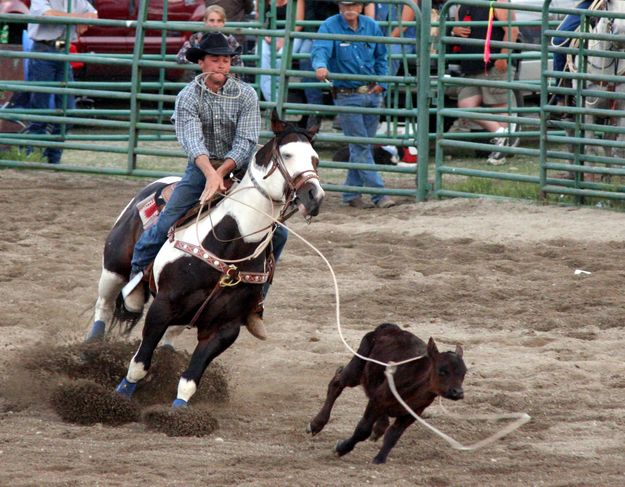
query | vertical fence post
(136,71)
(423,99)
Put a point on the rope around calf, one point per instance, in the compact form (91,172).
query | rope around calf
(391,367)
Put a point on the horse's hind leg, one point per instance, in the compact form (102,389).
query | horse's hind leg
(205,352)
(157,320)
(108,289)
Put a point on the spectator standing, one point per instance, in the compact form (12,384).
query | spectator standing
(475,96)
(356,58)
(265,45)
(51,38)
(236,10)
(214,18)
(217,121)
(393,13)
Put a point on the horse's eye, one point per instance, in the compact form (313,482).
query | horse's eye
(443,372)
(287,156)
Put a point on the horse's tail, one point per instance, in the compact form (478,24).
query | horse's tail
(123,318)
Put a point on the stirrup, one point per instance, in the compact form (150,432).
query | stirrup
(132,284)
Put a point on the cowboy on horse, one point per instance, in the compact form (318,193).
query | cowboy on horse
(217,121)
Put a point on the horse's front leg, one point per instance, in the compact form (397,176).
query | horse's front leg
(207,349)
(157,320)
(108,289)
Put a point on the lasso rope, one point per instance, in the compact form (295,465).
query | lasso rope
(200,80)
(521,418)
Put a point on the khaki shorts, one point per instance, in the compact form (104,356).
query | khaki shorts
(490,95)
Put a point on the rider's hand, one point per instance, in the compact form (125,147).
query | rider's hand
(214,184)
(376,89)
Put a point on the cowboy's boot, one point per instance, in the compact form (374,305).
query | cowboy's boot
(255,324)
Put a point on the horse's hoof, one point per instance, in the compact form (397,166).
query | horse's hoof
(97,332)
(168,346)
(125,388)
(179,403)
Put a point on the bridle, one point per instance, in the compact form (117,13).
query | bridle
(293,183)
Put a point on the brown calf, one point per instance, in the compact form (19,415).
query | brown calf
(418,383)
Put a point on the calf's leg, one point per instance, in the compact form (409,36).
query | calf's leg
(392,437)
(348,376)
(379,428)
(362,431)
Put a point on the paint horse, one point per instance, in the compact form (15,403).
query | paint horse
(210,273)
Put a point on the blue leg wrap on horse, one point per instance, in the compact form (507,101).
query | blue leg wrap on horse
(179,403)
(126,388)
(97,331)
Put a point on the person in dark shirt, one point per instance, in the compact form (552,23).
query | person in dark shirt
(497,70)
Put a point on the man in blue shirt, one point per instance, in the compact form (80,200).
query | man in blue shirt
(359,58)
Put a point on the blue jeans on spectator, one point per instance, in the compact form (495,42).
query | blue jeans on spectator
(187,193)
(569,24)
(360,125)
(314,96)
(299,46)
(46,70)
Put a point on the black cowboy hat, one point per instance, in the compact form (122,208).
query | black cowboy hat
(211,43)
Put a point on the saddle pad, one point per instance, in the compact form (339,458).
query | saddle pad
(150,207)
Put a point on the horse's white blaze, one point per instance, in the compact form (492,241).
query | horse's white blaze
(186,389)
(165,180)
(108,289)
(136,371)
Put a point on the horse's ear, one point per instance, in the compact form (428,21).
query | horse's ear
(263,156)
(277,125)
(312,131)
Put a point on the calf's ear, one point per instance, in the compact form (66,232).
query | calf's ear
(432,350)
(459,351)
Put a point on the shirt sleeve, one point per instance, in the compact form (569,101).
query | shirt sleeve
(39,7)
(380,62)
(322,49)
(247,131)
(188,125)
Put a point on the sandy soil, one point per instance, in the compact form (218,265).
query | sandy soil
(496,277)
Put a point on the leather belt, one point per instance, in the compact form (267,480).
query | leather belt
(360,90)
(56,44)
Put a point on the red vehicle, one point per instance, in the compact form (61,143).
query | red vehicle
(118,40)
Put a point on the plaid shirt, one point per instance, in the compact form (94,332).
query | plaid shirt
(216,126)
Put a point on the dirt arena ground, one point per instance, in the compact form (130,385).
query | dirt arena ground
(497,277)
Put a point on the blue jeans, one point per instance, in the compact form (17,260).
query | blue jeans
(299,46)
(187,193)
(314,96)
(45,70)
(569,24)
(360,125)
